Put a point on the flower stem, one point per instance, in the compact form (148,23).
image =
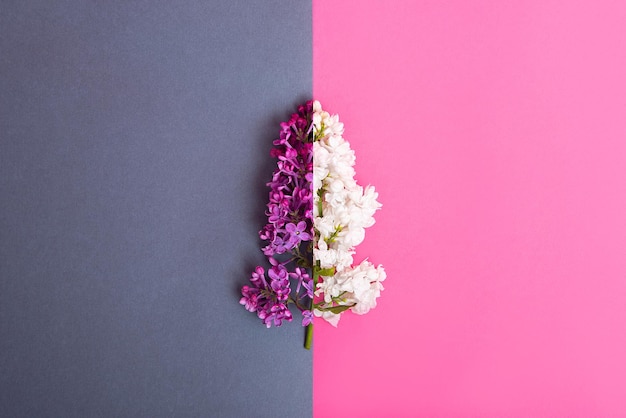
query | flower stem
(308,339)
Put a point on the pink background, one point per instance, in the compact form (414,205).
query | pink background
(495,132)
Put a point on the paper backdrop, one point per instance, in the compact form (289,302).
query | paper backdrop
(134,151)
(495,132)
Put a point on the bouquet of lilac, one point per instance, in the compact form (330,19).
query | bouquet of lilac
(317,214)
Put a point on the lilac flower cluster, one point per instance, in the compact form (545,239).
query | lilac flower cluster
(289,229)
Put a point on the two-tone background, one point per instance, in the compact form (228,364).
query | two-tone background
(134,149)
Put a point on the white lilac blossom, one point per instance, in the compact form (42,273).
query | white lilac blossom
(342,210)
(317,215)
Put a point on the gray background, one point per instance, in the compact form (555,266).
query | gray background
(134,152)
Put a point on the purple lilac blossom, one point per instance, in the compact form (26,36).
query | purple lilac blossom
(289,228)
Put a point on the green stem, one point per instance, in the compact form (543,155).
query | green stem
(308,339)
